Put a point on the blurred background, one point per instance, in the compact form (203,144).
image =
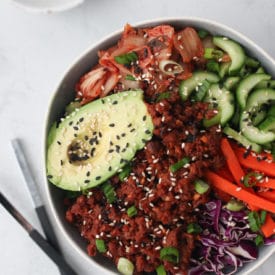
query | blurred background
(35,50)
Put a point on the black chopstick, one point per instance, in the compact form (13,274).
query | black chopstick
(35,195)
(37,237)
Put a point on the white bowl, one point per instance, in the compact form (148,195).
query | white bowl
(65,93)
(47,6)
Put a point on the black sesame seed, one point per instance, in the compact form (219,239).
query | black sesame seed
(129,125)
(127,145)
(86,137)
(110,168)
(118,137)
(111,151)
(61,162)
(132,130)
(148,132)
(92,152)
(111,125)
(81,119)
(123,150)
(144,118)
(111,143)
(100,134)
(76,128)
(98,178)
(115,102)
(103,102)
(75,135)
(49,176)
(70,123)
(58,142)
(144,140)
(86,181)
(123,134)
(117,148)
(94,133)
(88,173)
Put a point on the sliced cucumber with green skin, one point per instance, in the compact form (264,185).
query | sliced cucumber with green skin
(254,103)
(266,84)
(224,67)
(235,52)
(215,120)
(241,139)
(224,100)
(258,117)
(246,86)
(189,85)
(231,82)
(268,124)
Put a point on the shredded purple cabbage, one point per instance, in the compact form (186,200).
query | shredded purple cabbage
(226,242)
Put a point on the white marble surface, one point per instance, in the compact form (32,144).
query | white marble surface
(35,49)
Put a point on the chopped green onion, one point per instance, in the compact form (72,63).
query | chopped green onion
(170,254)
(100,246)
(193,228)
(163,96)
(212,121)
(251,179)
(160,270)
(210,53)
(234,205)
(254,221)
(202,33)
(251,62)
(125,172)
(127,58)
(109,192)
(262,216)
(202,90)
(259,240)
(170,67)
(176,166)
(130,77)
(131,211)
(213,66)
(125,267)
(201,186)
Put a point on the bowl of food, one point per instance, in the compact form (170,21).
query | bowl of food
(159,147)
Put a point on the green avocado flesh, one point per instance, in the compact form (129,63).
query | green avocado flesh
(94,142)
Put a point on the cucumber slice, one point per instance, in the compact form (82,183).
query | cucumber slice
(246,85)
(268,124)
(224,67)
(266,84)
(231,82)
(258,117)
(235,52)
(241,139)
(254,103)
(189,85)
(224,101)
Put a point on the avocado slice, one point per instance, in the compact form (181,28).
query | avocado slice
(95,141)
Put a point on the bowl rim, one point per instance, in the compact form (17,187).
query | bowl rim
(49,202)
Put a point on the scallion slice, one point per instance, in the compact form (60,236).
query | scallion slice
(263,216)
(193,228)
(202,33)
(254,221)
(251,179)
(125,266)
(100,246)
(127,58)
(163,96)
(160,270)
(213,66)
(125,172)
(234,205)
(130,77)
(201,186)
(211,53)
(170,254)
(131,211)
(176,166)
(170,67)
(109,192)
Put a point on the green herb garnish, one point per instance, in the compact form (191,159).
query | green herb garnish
(127,58)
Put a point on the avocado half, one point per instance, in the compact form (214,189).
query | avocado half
(95,141)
